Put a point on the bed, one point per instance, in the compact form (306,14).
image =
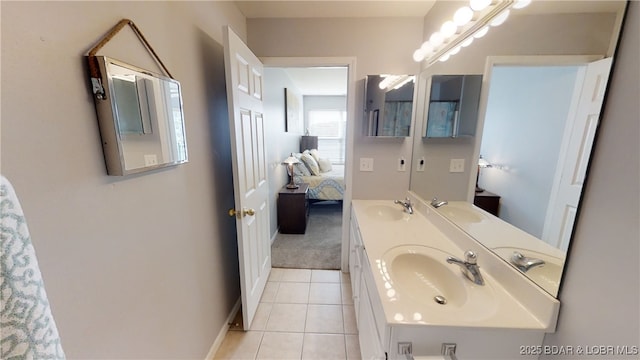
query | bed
(326,180)
(326,186)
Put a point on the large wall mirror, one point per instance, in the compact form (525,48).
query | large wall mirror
(141,119)
(542,72)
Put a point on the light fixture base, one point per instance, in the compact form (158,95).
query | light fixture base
(292,186)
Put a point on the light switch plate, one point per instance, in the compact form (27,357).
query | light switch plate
(366,164)
(456,165)
(402,164)
(420,165)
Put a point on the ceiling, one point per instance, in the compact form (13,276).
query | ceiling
(393,8)
(333,81)
(333,8)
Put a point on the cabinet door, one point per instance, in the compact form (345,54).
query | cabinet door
(370,346)
(355,264)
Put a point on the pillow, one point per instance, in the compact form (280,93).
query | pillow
(325,165)
(300,169)
(315,154)
(311,163)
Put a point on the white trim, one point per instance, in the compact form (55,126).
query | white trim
(350,63)
(223,332)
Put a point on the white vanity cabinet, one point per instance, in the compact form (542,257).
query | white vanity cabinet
(369,313)
(385,320)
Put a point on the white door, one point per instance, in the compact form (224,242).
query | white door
(244,77)
(577,142)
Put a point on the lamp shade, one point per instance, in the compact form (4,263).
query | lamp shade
(291,160)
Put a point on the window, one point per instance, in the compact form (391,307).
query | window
(330,127)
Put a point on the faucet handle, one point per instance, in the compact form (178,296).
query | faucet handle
(470,257)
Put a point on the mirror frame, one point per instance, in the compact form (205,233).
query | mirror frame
(107,112)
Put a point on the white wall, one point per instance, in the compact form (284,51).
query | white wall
(525,119)
(137,267)
(279,142)
(381,45)
(601,287)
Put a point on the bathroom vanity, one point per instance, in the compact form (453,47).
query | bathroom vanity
(408,298)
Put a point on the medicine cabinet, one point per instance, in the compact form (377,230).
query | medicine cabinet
(388,105)
(452,109)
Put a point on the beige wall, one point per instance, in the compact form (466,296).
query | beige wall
(137,267)
(600,293)
(380,46)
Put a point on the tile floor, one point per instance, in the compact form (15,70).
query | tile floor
(303,314)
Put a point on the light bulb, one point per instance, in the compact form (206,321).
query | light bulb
(498,20)
(479,5)
(521,3)
(455,50)
(436,39)
(426,48)
(418,55)
(444,57)
(448,29)
(463,16)
(482,32)
(467,42)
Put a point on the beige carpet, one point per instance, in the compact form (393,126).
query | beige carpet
(319,247)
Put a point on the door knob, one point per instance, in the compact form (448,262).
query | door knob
(243,213)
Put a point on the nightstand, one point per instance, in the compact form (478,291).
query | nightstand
(487,201)
(293,210)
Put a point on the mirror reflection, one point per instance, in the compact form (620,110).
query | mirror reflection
(533,139)
(389,105)
(141,119)
(453,106)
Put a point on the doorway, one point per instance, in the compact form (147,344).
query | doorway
(324,91)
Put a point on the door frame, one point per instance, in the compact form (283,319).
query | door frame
(350,64)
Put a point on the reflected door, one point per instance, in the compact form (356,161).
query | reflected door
(578,140)
(244,78)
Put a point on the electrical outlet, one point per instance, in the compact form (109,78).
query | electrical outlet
(456,165)
(420,166)
(150,160)
(366,164)
(405,348)
(402,164)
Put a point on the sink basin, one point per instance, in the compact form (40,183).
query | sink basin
(420,274)
(546,276)
(460,213)
(386,212)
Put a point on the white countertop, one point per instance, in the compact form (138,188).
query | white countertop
(499,309)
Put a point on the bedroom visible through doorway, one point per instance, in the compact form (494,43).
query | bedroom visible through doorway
(319,143)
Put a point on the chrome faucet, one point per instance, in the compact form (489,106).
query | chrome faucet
(469,266)
(524,263)
(437,203)
(406,204)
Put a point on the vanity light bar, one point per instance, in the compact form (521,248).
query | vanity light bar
(484,19)
(475,28)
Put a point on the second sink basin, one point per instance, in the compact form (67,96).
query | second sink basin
(459,213)
(422,274)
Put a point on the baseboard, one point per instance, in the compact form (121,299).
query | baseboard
(223,331)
